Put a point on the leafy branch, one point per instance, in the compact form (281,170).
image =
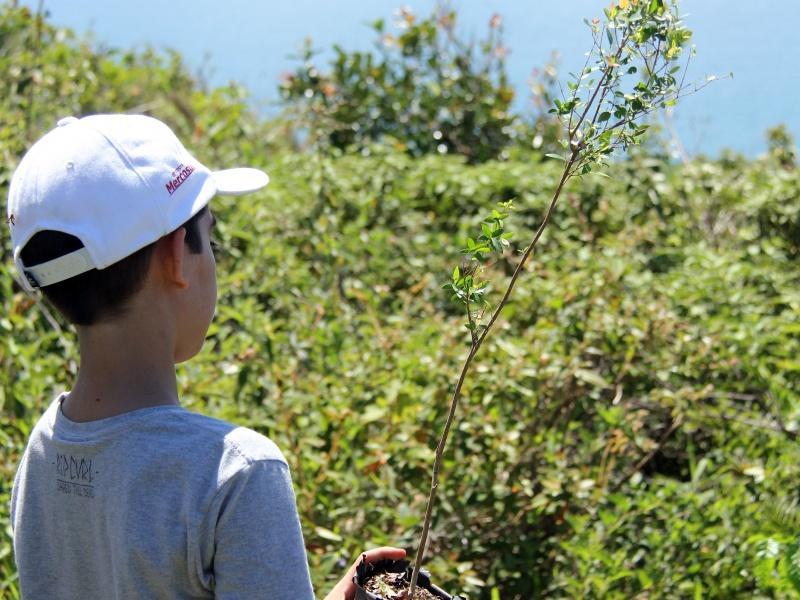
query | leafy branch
(780,551)
(630,72)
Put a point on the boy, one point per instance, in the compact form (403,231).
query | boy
(121,492)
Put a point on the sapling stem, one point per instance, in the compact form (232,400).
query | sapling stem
(476,344)
(647,26)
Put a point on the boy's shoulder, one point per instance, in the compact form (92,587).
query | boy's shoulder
(243,442)
(168,434)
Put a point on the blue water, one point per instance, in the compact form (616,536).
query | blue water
(250,42)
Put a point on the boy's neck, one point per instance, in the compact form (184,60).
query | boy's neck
(122,368)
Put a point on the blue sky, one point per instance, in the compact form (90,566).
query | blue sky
(250,41)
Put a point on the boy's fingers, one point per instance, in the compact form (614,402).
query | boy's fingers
(345,588)
(384,552)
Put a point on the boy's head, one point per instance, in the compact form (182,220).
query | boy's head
(98,295)
(93,203)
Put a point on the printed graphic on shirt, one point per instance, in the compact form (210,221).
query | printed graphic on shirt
(74,475)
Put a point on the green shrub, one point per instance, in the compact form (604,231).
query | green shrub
(423,88)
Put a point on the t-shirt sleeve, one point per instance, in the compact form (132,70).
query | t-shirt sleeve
(258,543)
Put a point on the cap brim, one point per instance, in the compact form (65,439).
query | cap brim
(234,182)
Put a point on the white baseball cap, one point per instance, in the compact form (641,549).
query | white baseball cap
(116,182)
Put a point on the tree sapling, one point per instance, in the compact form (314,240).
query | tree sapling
(632,69)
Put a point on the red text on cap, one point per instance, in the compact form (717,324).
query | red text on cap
(179,175)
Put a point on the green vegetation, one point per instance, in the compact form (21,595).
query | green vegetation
(641,39)
(425,90)
(630,430)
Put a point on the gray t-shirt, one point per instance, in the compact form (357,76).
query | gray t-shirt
(159,502)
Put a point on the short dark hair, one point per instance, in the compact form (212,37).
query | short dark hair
(99,294)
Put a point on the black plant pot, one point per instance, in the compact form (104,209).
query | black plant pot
(365,570)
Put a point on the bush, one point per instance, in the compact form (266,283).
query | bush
(423,88)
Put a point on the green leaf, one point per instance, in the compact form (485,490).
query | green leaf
(591,377)
(327,534)
(557,157)
(768,551)
(456,275)
(792,563)
(373,413)
(612,415)
(698,590)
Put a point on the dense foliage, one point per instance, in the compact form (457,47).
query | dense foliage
(424,88)
(630,430)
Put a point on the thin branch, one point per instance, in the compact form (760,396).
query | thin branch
(649,456)
(599,85)
(531,246)
(465,369)
(571,132)
(685,71)
(30,109)
(600,104)
(48,316)
(657,106)
(771,426)
(774,426)
(472,333)
(583,70)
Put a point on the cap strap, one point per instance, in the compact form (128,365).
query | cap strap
(59,269)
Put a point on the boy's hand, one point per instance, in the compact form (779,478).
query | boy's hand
(345,589)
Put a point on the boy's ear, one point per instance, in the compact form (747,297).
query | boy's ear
(170,253)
